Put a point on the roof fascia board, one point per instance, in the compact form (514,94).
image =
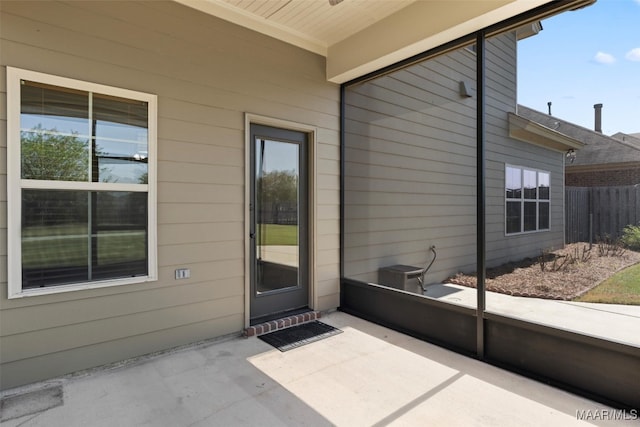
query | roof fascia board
(534,133)
(415,29)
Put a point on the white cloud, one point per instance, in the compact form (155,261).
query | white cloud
(604,58)
(634,54)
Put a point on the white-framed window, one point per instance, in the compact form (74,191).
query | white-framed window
(81,170)
(527,200)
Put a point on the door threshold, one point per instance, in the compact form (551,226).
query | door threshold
(283,321)
(279,315)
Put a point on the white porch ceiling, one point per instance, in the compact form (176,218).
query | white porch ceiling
(310,24)
(316,20)
(361,36)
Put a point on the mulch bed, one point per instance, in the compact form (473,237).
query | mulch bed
(568,273)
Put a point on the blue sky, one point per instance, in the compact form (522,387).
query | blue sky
(582,58)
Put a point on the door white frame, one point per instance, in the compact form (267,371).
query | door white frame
(312,132)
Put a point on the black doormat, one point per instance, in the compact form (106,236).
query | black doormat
(296,336)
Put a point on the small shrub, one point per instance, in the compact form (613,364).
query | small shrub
(609,247)
(543,258)
(582,255)
(631,237)
(550,262)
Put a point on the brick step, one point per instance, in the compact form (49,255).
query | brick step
(285,322)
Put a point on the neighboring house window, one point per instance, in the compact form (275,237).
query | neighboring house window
(81,170)
(527,199)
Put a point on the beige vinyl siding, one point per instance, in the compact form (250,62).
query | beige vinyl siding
(3,180)
(411,168)
(207,74)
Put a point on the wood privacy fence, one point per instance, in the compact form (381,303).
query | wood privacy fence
(608,209)
(279,213)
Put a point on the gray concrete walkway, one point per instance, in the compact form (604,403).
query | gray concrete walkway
(366,376)
(613,322)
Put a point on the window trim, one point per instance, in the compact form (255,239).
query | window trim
(522,200)
(15,184)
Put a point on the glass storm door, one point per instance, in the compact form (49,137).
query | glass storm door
(279,212)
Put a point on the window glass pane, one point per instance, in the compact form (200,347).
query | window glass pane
(54,109)
(121,130)
(513,217)
(119,118)
(529,216)
(543,185)
(513,183)
(55,237)
(543,215)
(77,236)
(55,157)
(54,125)
(119,234)
(73,234)
(530,185)
(121,162)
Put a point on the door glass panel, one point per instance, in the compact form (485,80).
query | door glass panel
(277,226)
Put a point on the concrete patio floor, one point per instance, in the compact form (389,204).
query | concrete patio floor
(366,376)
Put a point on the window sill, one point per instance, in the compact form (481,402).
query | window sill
(79,287)
(520,233)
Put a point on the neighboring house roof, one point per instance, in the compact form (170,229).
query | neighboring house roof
(633,138)
(598,148)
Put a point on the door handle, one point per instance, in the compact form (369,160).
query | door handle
(252,235)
